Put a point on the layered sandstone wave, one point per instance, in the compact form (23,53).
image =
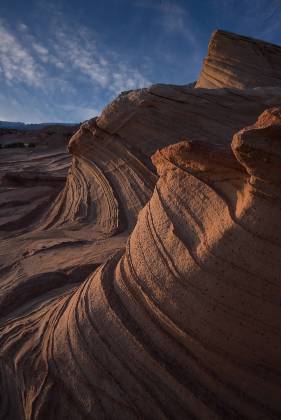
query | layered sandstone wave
(139,289)
(240,62)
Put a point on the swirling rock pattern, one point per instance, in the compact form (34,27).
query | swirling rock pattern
(148,290)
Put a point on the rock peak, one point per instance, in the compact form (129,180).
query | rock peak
(240,62)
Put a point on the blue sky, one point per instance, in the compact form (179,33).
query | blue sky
(64,60)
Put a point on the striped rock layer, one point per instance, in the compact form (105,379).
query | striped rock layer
(147,285)
(240,62)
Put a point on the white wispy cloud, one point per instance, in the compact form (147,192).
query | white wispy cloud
(22,27)
(102,66)
(173,18)
(60,63)
(16,63)
(72,51)
(126,78)
(42,51)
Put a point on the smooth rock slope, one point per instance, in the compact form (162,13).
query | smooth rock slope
(146,284)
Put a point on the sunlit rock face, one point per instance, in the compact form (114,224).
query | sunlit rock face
(147,286)
(236,61)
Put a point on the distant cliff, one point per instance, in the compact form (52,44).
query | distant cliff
(28,127)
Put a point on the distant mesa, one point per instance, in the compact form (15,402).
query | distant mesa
(19,135)
(16,145)
(27,127)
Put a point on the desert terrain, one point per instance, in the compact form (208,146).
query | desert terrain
(140,252)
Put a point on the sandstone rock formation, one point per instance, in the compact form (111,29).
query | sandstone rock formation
(236,61)
(147,290)
(31,178)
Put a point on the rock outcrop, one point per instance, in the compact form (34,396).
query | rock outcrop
(33,170)
(236,61)
(147,290)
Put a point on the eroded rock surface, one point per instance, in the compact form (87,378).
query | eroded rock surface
(132,289)
(240,62)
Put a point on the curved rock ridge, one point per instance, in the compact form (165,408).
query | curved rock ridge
(133,292)
(28,183)
(71,235)
(56,243)
(130,128)
(240,62)
(107,185)
(208,115)
(185,322)
(32,173)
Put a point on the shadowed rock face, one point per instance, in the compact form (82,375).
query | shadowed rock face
(236,61)
(150,290)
